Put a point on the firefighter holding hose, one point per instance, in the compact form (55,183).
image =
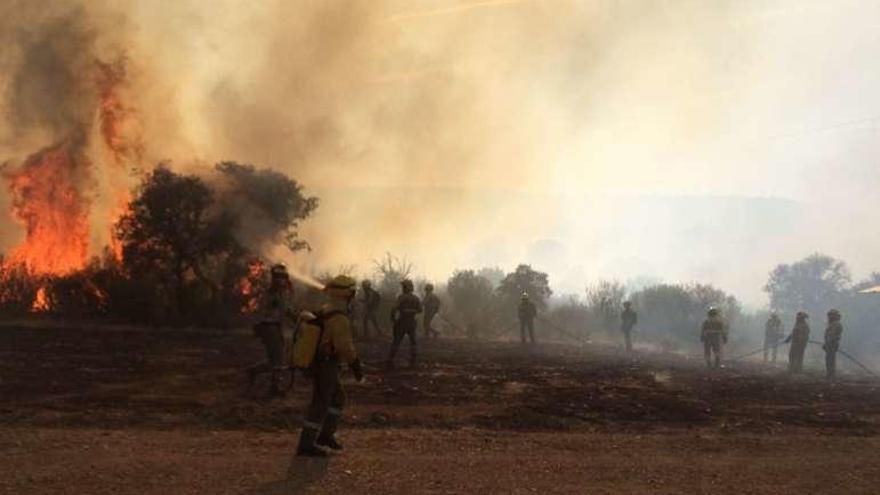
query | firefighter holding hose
(275,307)
(324,342)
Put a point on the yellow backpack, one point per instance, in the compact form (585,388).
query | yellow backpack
(307,337)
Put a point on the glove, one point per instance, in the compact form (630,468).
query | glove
(357,370)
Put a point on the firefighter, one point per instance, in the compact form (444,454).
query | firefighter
(628,320)
(371,299)
(800,336)
(713,335)
(833,332)
(403,320)
(432,306)
(772,335)
(335,347)
(526,313)
(275,307)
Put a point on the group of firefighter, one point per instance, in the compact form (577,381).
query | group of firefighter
(325,341)
(714,330)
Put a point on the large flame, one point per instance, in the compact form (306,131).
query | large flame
(52,190)
(121,136)
(48,203)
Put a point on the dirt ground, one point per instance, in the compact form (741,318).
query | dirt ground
(102,410)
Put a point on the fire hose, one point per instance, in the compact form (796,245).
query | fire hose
(821,344)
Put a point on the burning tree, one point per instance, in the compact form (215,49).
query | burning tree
(199,243)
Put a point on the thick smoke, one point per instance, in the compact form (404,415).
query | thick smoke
(677,140)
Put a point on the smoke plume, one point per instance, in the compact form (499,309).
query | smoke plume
(677,140)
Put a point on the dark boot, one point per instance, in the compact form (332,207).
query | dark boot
(327,438)
(307,447)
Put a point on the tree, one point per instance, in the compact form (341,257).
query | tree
(195,239)
(526,280)
(267,204)
(675,312)
(808,284)
(493,274)
(605,301)
(472,298)
(168,229)
(391,270)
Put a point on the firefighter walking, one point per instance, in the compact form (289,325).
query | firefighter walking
(335,346)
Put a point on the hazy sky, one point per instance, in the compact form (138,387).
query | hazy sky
(679,140)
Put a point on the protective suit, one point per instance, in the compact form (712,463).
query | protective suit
(713,334)
(336,346)
(403,319)
(432,306)
(370,300)
(527,312)
(275,307)
(833,333)
(772,335)
(800,336)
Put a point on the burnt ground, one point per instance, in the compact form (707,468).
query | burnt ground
(92,410)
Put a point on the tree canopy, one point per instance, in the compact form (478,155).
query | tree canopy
(525,280)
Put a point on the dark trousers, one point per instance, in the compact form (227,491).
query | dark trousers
(771,343)
(627,339)
(273,342)
(527,325)
(796,357)
(429,329)
(328,399)
(713,343)
(831,362)
(370,318)
(404,328)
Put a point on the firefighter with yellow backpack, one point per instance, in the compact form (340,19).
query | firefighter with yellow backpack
(322,343)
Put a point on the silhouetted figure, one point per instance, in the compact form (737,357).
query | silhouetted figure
(275,306)
(371,299)
(432,306)
(403,319)
(713,334)
(527,313)
(628,320)
(833,332)
(772,335)
(800,336)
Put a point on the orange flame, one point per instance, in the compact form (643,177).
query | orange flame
(41,302)
(46,200)
(121,136)
(248,286)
